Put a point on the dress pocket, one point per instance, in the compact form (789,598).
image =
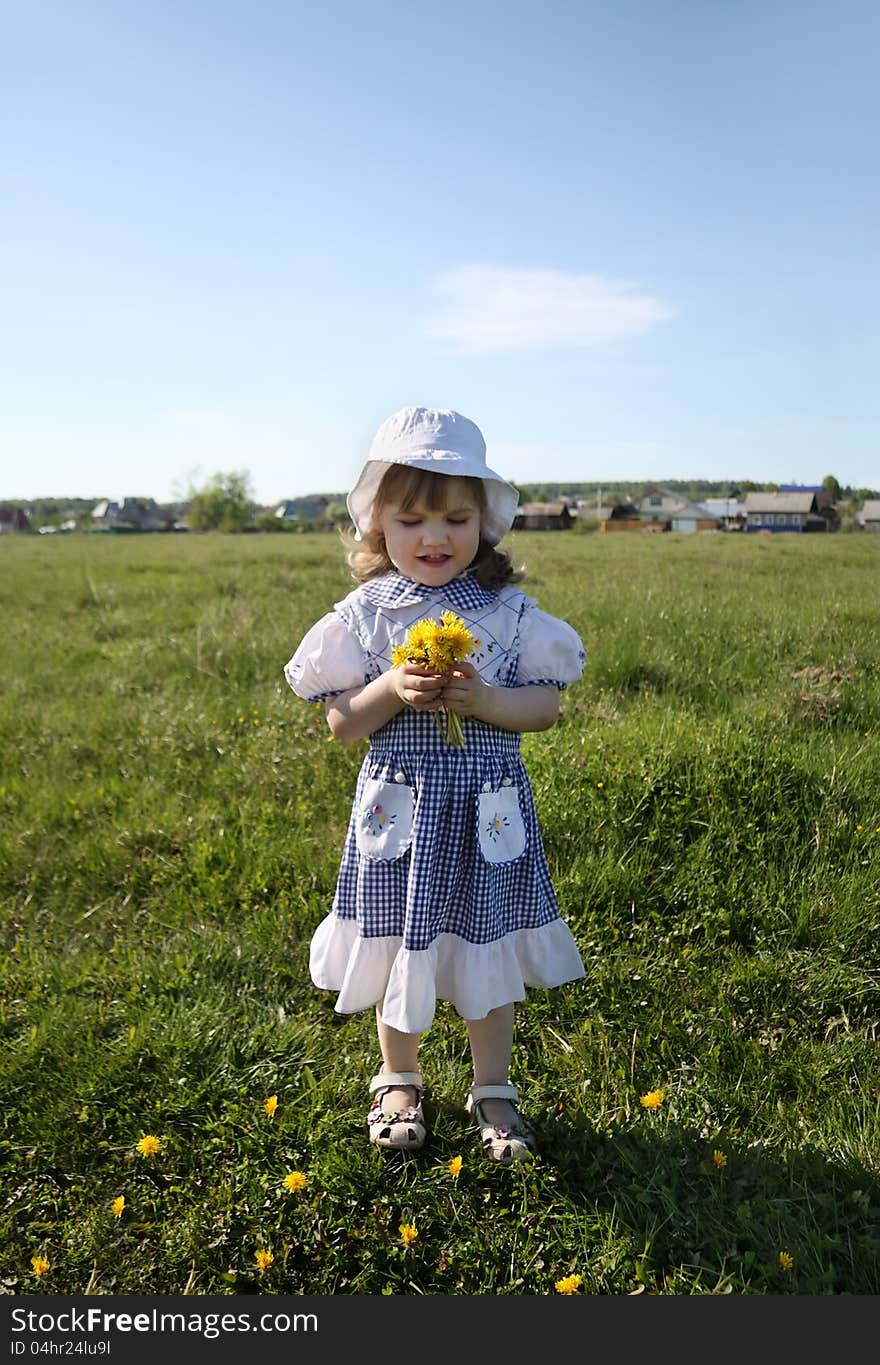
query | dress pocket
(500,825)
(384,825)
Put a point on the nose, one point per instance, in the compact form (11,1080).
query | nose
(434,533)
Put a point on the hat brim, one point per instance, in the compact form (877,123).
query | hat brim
(502,499)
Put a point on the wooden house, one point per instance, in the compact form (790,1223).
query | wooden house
(784,512)
(543,516)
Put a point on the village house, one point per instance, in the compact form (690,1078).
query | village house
(659,504)
(730,513)
(624,516)
(593,511)
(787,511)
(824,496)
(125,514)
(543,516)
(870,514)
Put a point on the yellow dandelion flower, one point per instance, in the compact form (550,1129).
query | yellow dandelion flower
(719,1159)
(456,639)
(118,1205)
(438,659)
(263,1259)
(455,1167)
(419,641)
(295,1181)
(439,646)
(149,1145)
(271,1105)
(570,1284)
(653,1099)
(408,1234)
(40,1265)
(786,1260)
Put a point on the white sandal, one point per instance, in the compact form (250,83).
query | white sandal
(400,1128)
(502,1143)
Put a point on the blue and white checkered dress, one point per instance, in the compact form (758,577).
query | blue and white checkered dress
(443,889)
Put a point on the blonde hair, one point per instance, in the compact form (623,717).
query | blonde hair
(406,486)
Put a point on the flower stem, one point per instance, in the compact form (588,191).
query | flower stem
(450,727)
(454,732)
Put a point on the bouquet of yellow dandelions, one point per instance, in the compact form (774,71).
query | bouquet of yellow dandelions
(439,646)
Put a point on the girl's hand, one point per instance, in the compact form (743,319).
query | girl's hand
(418,687)
(465,691)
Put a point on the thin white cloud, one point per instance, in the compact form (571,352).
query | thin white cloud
(498,308)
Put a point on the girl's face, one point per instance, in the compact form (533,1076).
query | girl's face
(432,544)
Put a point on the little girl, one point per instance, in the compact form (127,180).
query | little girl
(443,889)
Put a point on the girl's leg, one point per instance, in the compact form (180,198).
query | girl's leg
(400,1052)
(491,1046)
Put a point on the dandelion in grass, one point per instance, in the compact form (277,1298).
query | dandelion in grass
(440,646)
(40,1266)
(719,1159)
(569,1284)
(408,1233)
(263,1259)
(295,1182)
(786,1260)
(653,1099)
(117,1206)
(149,1145)
(271,1105)
(455,1167)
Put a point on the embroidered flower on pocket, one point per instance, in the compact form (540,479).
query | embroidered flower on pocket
(500,827)
(496,826)
(376,820)
(383,826)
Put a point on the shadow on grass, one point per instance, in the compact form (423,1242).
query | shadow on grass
(740,1214)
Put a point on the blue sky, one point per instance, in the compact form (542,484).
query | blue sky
(631,240)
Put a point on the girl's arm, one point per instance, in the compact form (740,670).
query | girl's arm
(510,708)
(356,714)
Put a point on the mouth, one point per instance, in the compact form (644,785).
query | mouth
(435,559)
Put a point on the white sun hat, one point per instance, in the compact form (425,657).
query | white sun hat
(444,442)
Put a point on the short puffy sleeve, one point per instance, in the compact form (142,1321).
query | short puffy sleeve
(550,651)
(328,660)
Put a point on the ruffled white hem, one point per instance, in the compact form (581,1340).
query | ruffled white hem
(475,977)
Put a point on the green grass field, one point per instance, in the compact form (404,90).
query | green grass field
(172,818)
